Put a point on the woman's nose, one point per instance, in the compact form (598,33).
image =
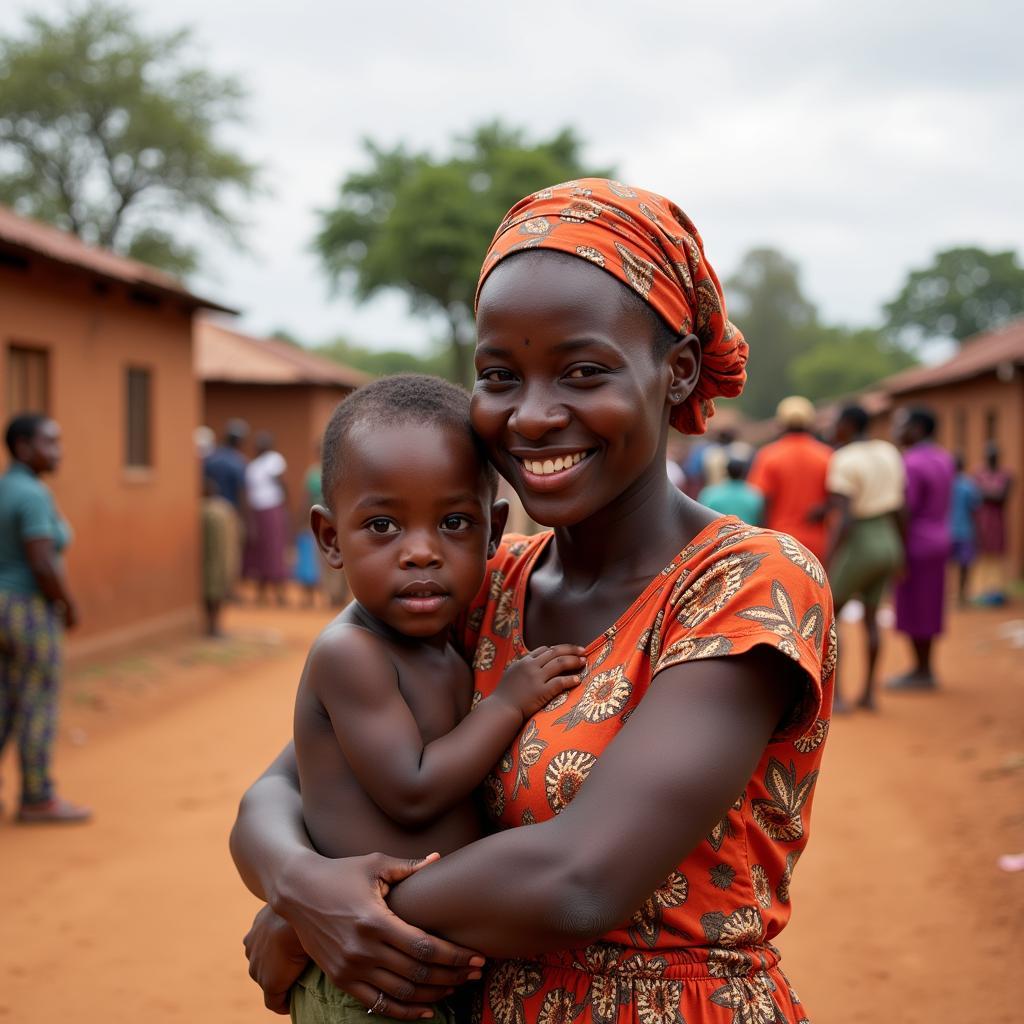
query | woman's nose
(538,413)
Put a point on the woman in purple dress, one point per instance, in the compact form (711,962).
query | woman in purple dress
(920,595)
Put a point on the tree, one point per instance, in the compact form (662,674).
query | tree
(766,302)
(842,361)
(374,361)
(422,225)
(107,132)
(963,292)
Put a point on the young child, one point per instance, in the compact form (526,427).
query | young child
(387,750)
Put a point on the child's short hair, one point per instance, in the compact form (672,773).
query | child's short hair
(409,398)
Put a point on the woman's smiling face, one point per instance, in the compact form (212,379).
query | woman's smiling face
(570,398)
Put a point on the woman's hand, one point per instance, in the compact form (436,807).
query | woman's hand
(276,958)
(337,910)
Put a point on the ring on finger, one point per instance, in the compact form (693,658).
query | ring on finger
(378,1005)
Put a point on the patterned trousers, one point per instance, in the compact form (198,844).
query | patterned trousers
(30,653)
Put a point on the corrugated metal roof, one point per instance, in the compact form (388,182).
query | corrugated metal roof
(226,355)
(984,353)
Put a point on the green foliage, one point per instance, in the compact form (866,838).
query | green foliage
(791,350)
(422,225)
(386,361)
(842,361)
(962,292)
(108,132)
(766,301)
(374,361)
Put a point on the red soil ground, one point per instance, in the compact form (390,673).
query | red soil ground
(901,912)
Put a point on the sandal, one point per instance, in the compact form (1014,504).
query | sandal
(56,811)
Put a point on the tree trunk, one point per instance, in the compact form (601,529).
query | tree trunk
(461,363)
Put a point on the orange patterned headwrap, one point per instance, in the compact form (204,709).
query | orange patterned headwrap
(648,243)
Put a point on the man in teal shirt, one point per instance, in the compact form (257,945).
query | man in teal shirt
(734,496)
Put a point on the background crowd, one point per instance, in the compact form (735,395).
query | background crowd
(883,517)
(251,529)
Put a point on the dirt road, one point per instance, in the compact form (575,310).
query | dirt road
(901,912)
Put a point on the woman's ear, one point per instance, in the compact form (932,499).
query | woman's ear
(684,361)
(499,518)
(321,521)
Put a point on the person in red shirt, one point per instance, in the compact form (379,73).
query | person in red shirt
(790,473)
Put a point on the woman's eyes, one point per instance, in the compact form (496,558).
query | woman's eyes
(583,372)
(587,371)
(496,375)
(381,526)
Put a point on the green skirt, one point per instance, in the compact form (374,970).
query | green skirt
(314,1000)
(870,555)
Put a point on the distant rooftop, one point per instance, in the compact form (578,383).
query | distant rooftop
(22,234)
(225,355)
(982,354)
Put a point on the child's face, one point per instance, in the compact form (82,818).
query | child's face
(412,525)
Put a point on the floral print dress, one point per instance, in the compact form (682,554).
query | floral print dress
(699,949)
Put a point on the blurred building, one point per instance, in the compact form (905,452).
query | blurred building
(273,386)
(103,344)
(978,397)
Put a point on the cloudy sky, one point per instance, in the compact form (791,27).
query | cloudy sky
(857,138)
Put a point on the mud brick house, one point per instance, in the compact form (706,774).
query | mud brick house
(273,386)
(978,397)
(103,344)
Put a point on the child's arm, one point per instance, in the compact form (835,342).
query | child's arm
(410,781)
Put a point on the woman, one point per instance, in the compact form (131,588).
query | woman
(866,485)
(35,608)
(652,890)
(995,484)
(266,539)
(921,593)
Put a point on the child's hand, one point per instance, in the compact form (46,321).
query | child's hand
(276,958)
(542,675)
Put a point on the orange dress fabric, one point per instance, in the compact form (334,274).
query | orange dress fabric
(699,950)
(651,246)
(790,473)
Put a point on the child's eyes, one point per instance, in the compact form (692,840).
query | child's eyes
(381,526)
(455,524)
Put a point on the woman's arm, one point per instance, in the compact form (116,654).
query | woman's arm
(268,835)
(49,576)
(671,773)
(336,907)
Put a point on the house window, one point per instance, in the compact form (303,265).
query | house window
(960,430)
(28,380)
(991,425)
(139,418)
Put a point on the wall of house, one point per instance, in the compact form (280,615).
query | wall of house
(295,414)
(970,414)
(134,561)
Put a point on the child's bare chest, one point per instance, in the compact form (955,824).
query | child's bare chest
(437,686)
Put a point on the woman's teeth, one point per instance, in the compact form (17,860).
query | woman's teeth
(548,466)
